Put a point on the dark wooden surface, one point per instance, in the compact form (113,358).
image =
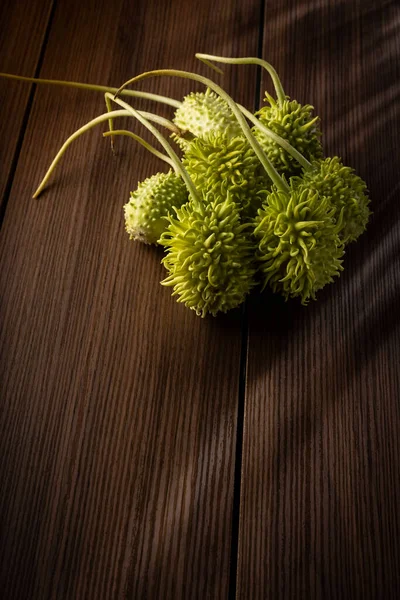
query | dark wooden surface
(147,453)
(320,479)
(21,44)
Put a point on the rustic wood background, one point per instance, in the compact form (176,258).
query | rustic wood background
(147,453)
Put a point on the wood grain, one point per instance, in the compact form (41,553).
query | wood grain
(21,42)
(320,484)
(119,407)
(118,414)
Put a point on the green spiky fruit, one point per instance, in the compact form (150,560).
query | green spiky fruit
(150,203)
(294,123)
(182,142)
(202,112)
(346,191)
(222,165)
(298,244)
(209,255)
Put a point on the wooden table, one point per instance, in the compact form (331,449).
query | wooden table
(148,453)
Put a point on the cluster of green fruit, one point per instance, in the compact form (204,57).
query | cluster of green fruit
(242,205)
(266,204)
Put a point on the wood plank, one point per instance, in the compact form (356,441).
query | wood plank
(21,41)
(118,420)
(320,489)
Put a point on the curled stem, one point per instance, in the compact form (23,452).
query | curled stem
(105,117)
(74,136)
(163,100)
(143,142)
(280,94)
(269,168)
(95,88)
(164,143)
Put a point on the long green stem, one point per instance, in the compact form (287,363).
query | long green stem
(74,136)
(150,116)
(181,169)
(269,168)
(209,64)
(276,138)
(164,100)
(110,121)
(105,117)
(157,119)
(143,142)
(206,58)
(95,88)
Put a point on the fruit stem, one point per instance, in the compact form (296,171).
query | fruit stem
(164,100)
(74,136)
(269,168)
(276,138)
(143,142)
(96,88)
(105,117)
(164,143)
(280,94)
(159,120)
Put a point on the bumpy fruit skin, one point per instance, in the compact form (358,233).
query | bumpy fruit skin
(298,244)
(150,203)
(228,166)
(346,191)
(203,112)
(209,255)
(294,123)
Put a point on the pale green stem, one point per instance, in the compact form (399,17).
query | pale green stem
(110,121)
(269,168)
(105,117)
(276,138)
(95,88)
(74,136)
(209,64)
(157,119)
(167,147)
(143,142)
(158,98)
(280,94)
(150,116)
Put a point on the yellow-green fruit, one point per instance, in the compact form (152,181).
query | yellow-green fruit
(225,165)
(294,123)
(150,203)
(182,142)
(209,255)
(346,191)
(202,112)
(299,248)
